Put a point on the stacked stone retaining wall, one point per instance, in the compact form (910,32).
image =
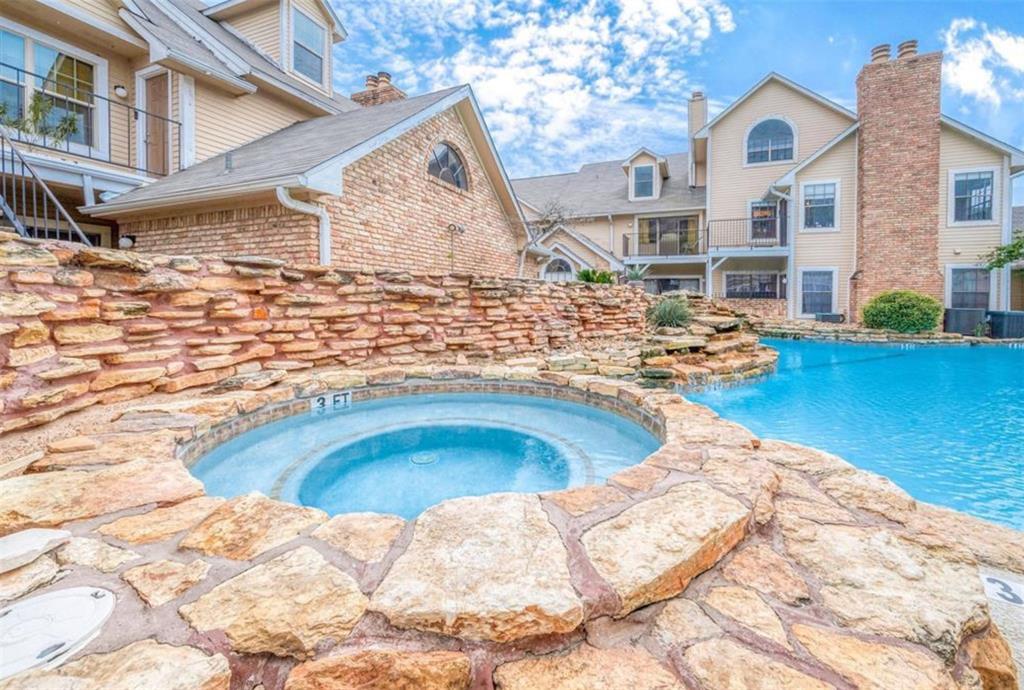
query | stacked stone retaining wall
(80,325)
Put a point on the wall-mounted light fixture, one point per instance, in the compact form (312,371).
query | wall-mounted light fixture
(126,241)
(121,91)
(453,230)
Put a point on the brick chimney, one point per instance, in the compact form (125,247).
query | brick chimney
(898,174)
(379,89)
(696,117)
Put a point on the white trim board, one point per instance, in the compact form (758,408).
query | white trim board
(765,164)
(948,288)
(836,221)
(997,195)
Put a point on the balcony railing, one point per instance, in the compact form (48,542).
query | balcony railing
(126,128)
(746,233)
(671,243)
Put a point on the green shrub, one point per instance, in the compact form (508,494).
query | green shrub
(904,311)
(589,275)
(634,273)
(671,312)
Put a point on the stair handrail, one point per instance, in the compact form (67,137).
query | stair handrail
(61,213)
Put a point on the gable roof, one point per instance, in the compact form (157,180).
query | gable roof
(785,81)
(643,150)
(1016,155)
(612,260)
(229,8)
(311,155)
(179,31)
(598,189)
(790,176)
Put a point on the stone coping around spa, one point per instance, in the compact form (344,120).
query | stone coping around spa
(853,333)
(191,451)
(717,556)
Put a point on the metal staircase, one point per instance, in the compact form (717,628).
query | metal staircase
(27,204)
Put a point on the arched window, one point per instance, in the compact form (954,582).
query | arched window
(558,271)
(770,140)
(446,164)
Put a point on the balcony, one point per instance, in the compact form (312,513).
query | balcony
(746,234)
(86,125)
(677,236)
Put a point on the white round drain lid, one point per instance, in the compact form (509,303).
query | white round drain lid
(43,631)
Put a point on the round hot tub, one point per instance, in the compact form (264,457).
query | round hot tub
(404,454)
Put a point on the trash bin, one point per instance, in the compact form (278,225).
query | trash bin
(1007,324)
(964,321)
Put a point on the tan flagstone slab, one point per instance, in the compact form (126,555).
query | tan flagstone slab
(94,553)
(51,498)
(890,586)
(389,669)
(114,449)
(872,665)
(283,607)
(759,567)
(652,550)
(21,548)
(870,492)
(141,665)
(722,664)
(489,567)
(161,523)
(20,581)
(991,657)
(683,622)
(747,607)
(364,536)
(587,668)
(583,499)
(161,581)
(244,527)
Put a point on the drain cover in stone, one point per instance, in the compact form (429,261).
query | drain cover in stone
(45,630)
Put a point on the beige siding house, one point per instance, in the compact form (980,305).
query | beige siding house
(175,104)
(795,206)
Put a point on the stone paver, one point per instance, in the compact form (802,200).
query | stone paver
(364,536)
(381,668)
(162,523)
(652,550)
(284,606)
(587,668)
(145,664)
(163,581)
(491,568)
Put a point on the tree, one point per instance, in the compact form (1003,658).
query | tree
(40,121)
(1011,253)
(549,216)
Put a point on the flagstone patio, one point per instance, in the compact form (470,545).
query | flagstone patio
(722,561)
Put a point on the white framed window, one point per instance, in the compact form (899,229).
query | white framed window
(819,206)
(764,221)
(309,47)
(973,198)
(68,81)
(968,286)
(770,140)
(643,181)
(816,290)
(559,271)
(755,285)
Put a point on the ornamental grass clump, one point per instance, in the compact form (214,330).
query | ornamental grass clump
(904,311)
(671,312)
(589,275)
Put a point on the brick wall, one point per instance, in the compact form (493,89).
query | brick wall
(764,308)
(898,177)
(266,229)
(394,215)
(80,326)
(391,215)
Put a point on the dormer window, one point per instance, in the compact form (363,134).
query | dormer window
(643,181)
(770,141)
(308,47)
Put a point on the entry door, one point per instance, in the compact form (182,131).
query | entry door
(157,150)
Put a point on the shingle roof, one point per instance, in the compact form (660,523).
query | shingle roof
(602,188)
(289,152)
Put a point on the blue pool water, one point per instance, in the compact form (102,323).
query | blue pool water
(402,455)
(944,422)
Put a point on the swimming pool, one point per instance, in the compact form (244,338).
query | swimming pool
(403,454)
(946,423)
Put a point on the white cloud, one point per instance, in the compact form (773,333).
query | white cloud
(560,83)
(984,63)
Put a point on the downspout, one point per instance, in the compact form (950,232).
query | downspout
(285,199)
(611,236)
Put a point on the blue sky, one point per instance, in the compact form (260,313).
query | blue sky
(566,83)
